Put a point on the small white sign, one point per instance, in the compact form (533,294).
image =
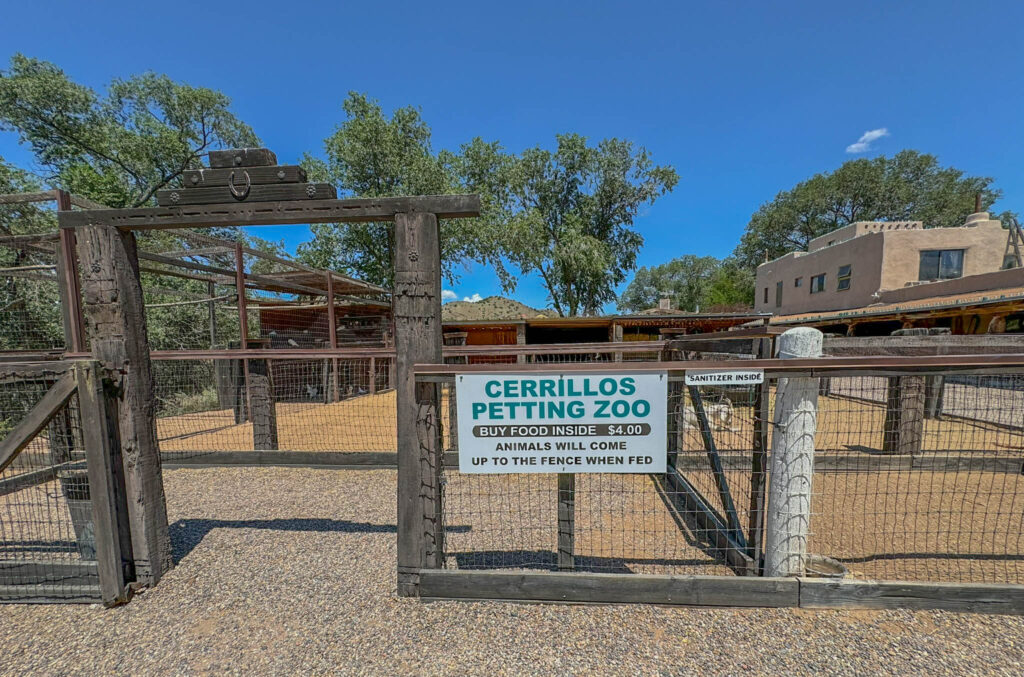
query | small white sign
(562,422)
(706,377)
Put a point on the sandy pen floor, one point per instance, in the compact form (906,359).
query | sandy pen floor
(367,423)
(907,525)
(284,571)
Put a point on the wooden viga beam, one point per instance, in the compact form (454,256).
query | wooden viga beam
(276,213)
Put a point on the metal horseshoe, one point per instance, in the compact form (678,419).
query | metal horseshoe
(239,194)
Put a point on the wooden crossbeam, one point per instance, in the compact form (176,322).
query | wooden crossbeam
(36,419)
(358,210)
(25,198)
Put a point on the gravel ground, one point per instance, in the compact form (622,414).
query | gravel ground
(287,571)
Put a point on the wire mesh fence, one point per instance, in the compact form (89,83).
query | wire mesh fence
(897,493)
(30,310)
(47,546)
(330,403)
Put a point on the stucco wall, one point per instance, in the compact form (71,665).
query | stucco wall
(863,254)
(983,247)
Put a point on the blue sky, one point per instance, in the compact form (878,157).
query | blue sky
(743,98)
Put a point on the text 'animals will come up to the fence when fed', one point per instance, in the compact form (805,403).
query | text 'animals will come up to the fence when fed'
(562,423)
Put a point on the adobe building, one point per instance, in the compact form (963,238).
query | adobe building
(848,267)
(872,277)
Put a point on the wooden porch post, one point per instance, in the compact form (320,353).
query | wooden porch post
(417,313)
(115,322)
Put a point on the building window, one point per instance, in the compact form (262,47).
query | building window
(778,294)
(831,242)
(843,278)
(798,282)
(941,264)
(818,283)
(766,294)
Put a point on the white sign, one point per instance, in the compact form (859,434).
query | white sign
(705,377)
(559,422)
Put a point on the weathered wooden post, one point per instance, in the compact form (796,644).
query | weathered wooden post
(566,521)
(792,459)
(905,407)
(417,313)
(115,322)
(616,332)
(934,388)
(261,406)
(331,385)
(112,529)
(759,457)
(244,406)
(212,292)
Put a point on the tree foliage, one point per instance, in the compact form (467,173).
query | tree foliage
(693,283)
(910,186)
(564,214)
(120,147)
(372,155)
(567,214)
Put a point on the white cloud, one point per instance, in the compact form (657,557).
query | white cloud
(863,144)
(448,295)
(474,298)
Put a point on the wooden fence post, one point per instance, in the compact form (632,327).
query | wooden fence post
(521,341)
(759,458)
(417,315)
(905,408)
(934,388)
(331,384)
(792,459)
(566,521)
(245,406)
(115,320)
(112,531)
(261,403)
(616,332)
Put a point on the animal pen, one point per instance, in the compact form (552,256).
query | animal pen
(906,490)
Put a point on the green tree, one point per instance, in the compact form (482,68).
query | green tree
(372,155)
(910,186)
(118,148)
(731,288)
(567,214)
(29,300)
(692,283)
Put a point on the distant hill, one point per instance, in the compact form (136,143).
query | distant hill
(491,308)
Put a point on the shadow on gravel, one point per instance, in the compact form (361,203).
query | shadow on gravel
(188,533)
